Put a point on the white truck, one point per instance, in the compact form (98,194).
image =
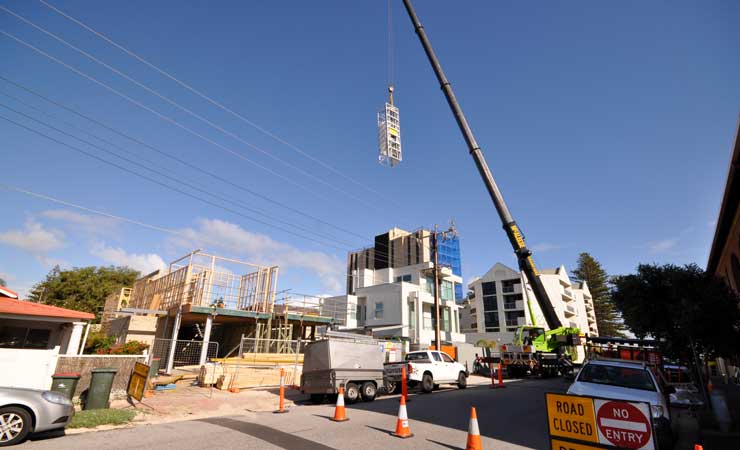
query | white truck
(427,369)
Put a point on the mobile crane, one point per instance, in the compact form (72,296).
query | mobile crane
(544,346)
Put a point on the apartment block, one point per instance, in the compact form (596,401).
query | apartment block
(502,300)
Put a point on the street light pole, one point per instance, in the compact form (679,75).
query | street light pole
(435,248)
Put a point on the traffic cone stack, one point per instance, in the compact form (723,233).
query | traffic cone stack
(340,414)
(402,424)
(474,442)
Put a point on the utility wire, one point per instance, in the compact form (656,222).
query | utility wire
(162,116)
(174,188)
(173,178)
(211,100)
(49,198)
(176,158)
(177,105)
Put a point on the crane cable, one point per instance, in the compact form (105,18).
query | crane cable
(391,55)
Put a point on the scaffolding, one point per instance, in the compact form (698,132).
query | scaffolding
(200,279)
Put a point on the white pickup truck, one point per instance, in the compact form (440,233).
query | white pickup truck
(428,369)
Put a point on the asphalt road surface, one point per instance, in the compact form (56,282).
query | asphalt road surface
(510,418)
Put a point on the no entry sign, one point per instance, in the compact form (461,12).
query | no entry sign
(576,421)
(624,424)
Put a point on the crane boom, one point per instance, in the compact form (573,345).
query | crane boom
(523,254)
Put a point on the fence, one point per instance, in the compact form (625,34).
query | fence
(187,353)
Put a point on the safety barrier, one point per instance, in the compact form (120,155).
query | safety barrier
(187,353)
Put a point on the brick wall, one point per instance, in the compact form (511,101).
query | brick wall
(84,365)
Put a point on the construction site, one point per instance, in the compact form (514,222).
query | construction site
(220,320)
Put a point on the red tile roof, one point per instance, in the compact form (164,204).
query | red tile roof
(5,292)
(25,308)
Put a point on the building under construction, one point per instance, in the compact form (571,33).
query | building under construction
(208,306)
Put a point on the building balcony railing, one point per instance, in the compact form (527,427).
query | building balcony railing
(567,294)
(591,319)
(513,306)
(569,310)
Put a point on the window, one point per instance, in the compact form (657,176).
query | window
(472,311)
(428,284)
(436,356)
(412,315)
(447,290)
(361,314)
(489,288)
(406,278)
(507,286)
(417,356)
(490,319)
(512,318)
(378,310)
(447,358)
(22,337)
(628,377)
(446,319)
(474,325)
(510,301)
(493,329)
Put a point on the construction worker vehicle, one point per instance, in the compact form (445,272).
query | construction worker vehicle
(540,352)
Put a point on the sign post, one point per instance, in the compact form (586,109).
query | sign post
(579,422)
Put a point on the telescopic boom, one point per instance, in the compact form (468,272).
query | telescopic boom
(523,254)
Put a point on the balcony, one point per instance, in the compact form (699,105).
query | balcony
(569,311)
(513,306)
(591,320)
(567,294)
(589,305)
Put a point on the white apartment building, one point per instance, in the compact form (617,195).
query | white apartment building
(398,302)
(497,304)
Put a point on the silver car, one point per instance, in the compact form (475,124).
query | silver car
(24,411)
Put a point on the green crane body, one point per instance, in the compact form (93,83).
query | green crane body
(546,341)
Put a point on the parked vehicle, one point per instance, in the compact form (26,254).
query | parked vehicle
(23,411)
(631,381)
(427,369)
(356,364)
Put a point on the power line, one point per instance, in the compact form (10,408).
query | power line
(210,99)
(172,178)
(162,116)
(176,189)
(177,105)
(112,216)
(175,158)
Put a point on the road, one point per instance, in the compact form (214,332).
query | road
(511,418)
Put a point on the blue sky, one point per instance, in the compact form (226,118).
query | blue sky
(608,127)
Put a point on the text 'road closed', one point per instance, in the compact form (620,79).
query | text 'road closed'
(572,417)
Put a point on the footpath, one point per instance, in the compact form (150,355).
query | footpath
(720,425)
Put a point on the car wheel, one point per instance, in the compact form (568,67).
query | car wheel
(427,383)
(318,399)
(351,393)
(15,423)
(369,391)
(462,381)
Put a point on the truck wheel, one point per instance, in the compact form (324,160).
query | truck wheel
(462,381)
(427,383)
(16,424)
(391,387)
(369,391)
(318,399)
(351,393)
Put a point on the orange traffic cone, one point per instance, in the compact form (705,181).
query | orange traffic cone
(474,442)
(698,447)
(340,415)
(402,424)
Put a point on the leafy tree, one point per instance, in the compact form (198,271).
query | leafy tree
(82,288)
(680,305)
(607,317)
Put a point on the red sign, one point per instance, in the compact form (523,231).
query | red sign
(624,425)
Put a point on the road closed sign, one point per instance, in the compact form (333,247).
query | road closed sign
(611,423)
(624,424)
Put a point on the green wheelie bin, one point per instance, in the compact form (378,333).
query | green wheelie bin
(100,386)
(65,383)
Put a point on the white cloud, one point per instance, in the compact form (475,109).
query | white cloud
(34,238)
(545,247)
(662,246)
(262,249)
(84,222)
(143,262)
